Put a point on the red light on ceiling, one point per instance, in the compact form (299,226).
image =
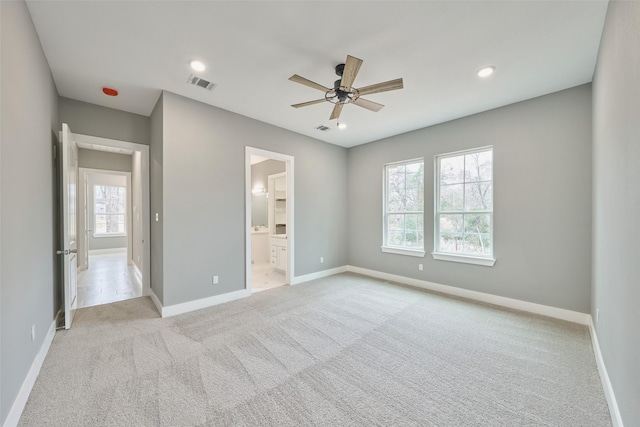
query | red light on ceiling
(109,91)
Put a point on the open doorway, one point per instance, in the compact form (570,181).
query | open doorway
(269,219)
(113,224)
(107,269)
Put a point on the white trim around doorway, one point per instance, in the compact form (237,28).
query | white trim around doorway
(146,210)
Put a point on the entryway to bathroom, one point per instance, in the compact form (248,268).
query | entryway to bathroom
(269,219)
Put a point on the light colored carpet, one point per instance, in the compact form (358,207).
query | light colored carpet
(340,351)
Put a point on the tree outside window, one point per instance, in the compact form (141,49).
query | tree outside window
(464,203)
(109,209)
(404,205)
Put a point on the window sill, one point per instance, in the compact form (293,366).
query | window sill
(466,259)
(100,236)
(401,251)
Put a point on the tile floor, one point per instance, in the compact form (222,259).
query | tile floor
(264,277)
(108,279)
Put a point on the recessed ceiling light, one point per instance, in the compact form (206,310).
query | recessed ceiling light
(197,65)
(342,125)
(486,71)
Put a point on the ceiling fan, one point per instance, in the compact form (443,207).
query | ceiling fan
(343,92)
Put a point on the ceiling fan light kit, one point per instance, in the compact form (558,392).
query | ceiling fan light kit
(343,92)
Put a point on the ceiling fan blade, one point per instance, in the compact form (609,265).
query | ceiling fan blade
(296,78)
(381,87)
(304,104)
(369,105)
(351,68)
(336,111)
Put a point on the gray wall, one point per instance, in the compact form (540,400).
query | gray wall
(203,198)
(104,160)
(260,178)
(542,200)
(616,204)
(29,125)
(94,120)
(155,199)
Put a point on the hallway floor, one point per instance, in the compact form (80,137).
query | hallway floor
(108,279)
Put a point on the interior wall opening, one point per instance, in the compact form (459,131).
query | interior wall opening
(112,221)
(107,271)
(269,219)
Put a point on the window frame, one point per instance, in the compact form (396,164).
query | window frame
(386,247)
(96,234)
(477,259)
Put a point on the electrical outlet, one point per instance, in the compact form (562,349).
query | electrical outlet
(420,267)
(597,315)
(321,259)
(157,217)
(33,333)
(215,280)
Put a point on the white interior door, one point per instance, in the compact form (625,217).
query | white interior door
(69,220)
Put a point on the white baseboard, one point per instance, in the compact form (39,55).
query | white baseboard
(544,310)
(318,275)
(186,307)
(30,380)
(616,418)
(107,251)
(137,273)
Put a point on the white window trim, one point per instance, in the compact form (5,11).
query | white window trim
(488,261)
(101,235)
(403,251)
(417,252)
(466,259)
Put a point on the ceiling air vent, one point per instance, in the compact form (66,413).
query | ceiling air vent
(197,81)
(323,128)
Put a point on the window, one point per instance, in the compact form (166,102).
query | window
(404,208)
(464,207)
(109,210)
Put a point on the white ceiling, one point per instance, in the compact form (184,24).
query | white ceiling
(251,48)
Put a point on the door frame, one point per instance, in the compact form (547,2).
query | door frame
(289,168)
(146,209)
